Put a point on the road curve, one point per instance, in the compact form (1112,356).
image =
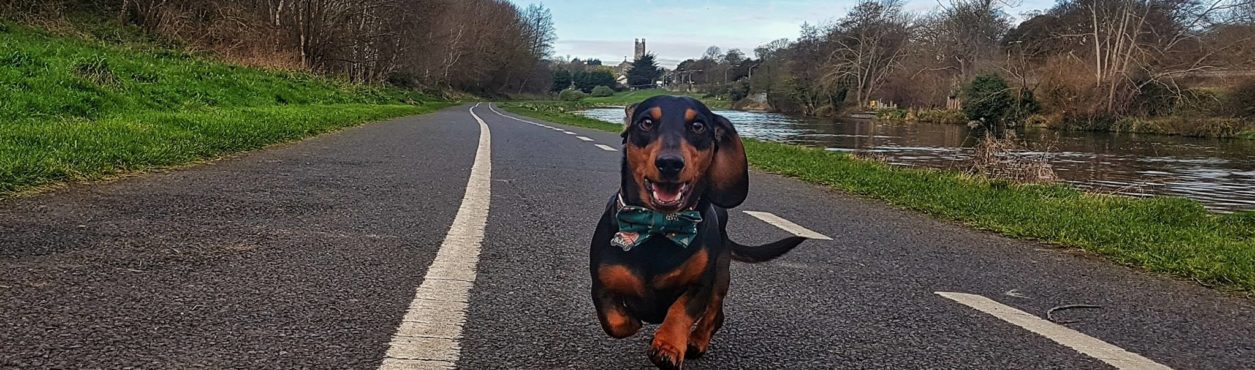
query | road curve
(310,255)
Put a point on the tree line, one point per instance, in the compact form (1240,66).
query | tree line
(1084,59)
(480,46)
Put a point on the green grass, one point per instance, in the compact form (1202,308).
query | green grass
(74,108)
(624,98)
(1170,235)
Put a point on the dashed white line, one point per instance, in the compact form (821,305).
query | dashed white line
(428,337)
(787,225)
(583,138)
(1090,346)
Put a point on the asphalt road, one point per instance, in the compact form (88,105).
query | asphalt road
(308,255)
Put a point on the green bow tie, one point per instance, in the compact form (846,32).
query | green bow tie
(638,224)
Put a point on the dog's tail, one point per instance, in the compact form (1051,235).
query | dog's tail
(765,252)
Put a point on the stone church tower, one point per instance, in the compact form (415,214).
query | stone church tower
(640,49)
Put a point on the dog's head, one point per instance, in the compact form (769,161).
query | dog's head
(677,152)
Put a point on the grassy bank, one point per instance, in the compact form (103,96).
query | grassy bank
(1220,127)
(623,98)
(81,108)
(1170,235)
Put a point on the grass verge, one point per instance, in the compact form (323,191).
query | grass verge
(81,150)
(1170,235)
(82,108)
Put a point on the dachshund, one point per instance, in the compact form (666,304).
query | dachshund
(661,251)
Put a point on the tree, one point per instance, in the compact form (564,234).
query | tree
(969,32)
(1126,45)
(866,46)
(713,53)
(539,30)
(561,80)
(586,81)
(644,72)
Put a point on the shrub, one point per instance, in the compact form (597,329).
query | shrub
(571,95)
(895,115)
(949,117)
(1153,99)
(1241,100)
(1200,102)
(988,99)
(602,91)
(739,89)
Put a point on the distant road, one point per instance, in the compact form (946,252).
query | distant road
(353,247)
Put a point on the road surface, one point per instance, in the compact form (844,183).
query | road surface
(439,240)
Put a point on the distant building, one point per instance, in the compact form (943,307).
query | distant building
(637,53)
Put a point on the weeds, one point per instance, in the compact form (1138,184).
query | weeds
(1007,159)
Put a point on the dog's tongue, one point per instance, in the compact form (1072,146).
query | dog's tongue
(667,194)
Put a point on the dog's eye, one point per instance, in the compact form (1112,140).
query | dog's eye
(646,124)
(697,127)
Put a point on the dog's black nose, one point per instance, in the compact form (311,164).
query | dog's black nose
(669,165)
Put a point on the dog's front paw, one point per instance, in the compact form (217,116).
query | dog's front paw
(666,356)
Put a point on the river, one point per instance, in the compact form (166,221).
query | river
(1220,173)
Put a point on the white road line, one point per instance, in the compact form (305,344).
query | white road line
(428,335)
(1090,346)
(787,225)
(584,138)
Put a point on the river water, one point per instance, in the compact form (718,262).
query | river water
(1220,173)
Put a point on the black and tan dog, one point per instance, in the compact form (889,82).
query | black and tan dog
(661,251)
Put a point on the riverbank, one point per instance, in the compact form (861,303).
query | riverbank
(77,109)
(1168,235)
(624,98)
(1209,127)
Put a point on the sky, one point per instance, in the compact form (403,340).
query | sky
(675,30)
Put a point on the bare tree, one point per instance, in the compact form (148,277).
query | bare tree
(867,45)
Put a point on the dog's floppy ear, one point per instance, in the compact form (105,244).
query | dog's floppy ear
(627,120)
(728,175)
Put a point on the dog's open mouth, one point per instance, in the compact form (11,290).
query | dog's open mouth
(667,196)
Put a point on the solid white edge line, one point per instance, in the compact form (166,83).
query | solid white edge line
(606,148)
(428,337)
(787,225)
(1090,346)
(584,138)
